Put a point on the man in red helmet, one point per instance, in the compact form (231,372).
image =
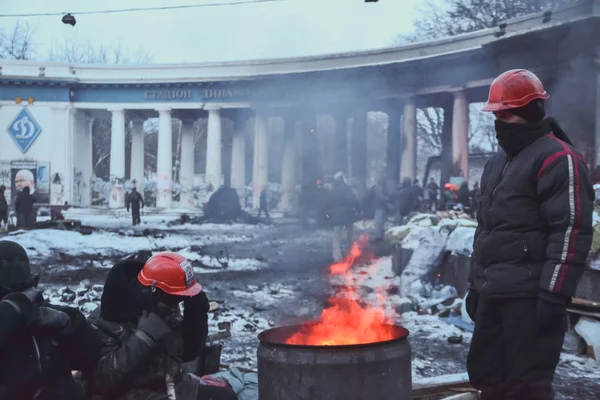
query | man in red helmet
(533,236)
(145,338)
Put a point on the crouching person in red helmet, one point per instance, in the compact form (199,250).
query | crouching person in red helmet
(532,239)
(145,339)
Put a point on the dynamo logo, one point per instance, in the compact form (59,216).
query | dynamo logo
(24,130)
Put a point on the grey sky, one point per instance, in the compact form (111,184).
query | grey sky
(267,30)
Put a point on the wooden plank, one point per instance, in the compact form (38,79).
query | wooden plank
(584,302)
(440,384)
(586,313)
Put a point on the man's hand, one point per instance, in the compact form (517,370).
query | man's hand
(471,302)
(551,313)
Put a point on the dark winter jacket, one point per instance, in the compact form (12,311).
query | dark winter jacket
(24,202)
(342,206)
(131,365)
(37,365)
(135,200)
(432,190)
(534,221)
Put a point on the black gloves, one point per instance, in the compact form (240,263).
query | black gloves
(198,304)
(471,304)
(153,325)
(551,312)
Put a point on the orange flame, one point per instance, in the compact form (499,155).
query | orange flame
(346,321)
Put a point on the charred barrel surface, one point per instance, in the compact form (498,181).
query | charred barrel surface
(375,371)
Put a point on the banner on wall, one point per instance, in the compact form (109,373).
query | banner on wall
(33,175)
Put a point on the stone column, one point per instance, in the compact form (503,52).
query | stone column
(340,155)
(89,164)
(288,171)
(136,169)
(261,157)
(164,160)
(117,158)
(213,148)
(597,119)
(358,160)
(446,156)
(186,174)
(238,155)
(460,134)
(394,135)
(409,141)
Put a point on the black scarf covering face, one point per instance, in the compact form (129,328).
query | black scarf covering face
(515,137)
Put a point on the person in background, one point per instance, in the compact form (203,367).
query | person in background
(40,343)
(463,197)
(531,243)
(144,336)
(24,209)
(406,199)
(3,209)
(474,195)
(382,205)
(417,196)
(342,210)
(23,179)
(432,195)
(264,202)
(136,202)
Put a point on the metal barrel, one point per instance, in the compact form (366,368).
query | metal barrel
(378,371)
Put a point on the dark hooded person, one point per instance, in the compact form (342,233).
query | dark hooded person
(145,339)
(533,237)
(342,209)
(40,344)
(136,202)
(24,209)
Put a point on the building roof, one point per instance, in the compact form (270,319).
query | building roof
(243,70)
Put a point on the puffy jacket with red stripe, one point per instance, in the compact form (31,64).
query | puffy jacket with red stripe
(534,222)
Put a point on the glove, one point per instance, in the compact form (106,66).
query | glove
(471,303)
(551,313)
(52,321)
(153,325)
(198,304)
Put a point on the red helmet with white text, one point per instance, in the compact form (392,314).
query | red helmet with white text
(170,272)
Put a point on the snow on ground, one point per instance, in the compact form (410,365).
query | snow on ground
(42,242)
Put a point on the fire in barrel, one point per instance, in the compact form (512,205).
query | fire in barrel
(352,352)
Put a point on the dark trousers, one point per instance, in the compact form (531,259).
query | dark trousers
(135,216)
(509,357)
(432,203)
(263,208)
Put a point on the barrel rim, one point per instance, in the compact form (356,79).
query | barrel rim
(262,337)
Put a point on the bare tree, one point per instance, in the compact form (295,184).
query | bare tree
(17,43)
(452,17)
(75,50)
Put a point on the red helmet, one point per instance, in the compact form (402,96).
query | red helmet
(513,89)
(172,273)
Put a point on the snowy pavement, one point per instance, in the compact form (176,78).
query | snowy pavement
(275,275)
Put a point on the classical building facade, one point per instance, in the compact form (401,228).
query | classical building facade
(47,109)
